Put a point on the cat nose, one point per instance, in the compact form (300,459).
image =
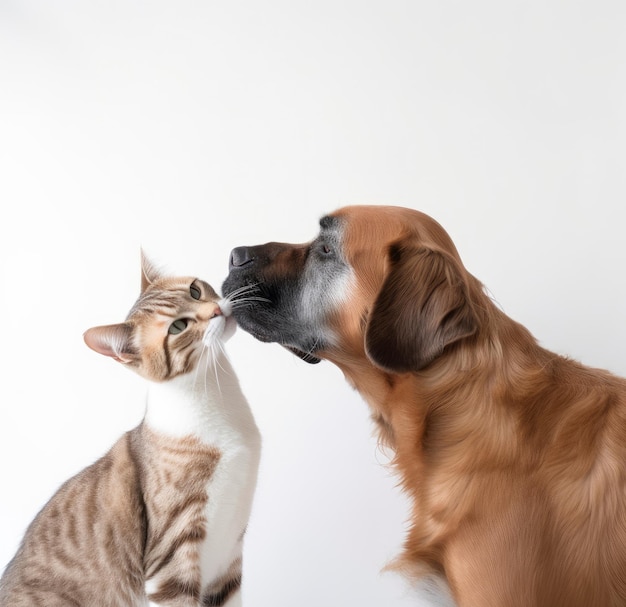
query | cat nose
(241,256)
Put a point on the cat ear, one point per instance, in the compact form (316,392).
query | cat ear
(149,272)
(111,340)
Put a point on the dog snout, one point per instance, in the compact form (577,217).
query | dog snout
(241,256)
(260,256)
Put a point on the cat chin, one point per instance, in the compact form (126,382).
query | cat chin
(221,328)
(230,327)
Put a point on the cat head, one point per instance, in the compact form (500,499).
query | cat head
(174,323)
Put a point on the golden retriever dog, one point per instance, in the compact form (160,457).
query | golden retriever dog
(514,457)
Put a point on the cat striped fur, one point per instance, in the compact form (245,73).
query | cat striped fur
(159,520)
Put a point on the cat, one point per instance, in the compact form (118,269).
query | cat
(160,519)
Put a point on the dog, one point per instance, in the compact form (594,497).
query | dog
(514,457)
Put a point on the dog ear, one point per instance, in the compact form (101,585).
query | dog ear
(422,308)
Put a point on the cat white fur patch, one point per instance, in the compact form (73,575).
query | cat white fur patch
(198,403)
(211,406)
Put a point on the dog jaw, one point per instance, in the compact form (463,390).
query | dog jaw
(284,293)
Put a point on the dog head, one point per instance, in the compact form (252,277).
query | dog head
(382,285)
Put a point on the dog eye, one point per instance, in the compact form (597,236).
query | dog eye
(178,326)
(325,250)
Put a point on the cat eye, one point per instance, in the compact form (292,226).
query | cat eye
(195,292)
(178,326)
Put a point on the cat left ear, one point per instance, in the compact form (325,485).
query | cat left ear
(149,272)
(111,340)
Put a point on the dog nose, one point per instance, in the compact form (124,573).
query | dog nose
(241,256)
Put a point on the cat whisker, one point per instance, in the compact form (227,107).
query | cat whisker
(203,365)
(214,351)
(210,366)
(206,366)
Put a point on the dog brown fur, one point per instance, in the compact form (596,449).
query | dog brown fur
(514,457)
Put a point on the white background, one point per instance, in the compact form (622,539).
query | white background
(191,127)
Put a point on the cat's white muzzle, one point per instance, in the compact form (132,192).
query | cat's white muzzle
(222,326)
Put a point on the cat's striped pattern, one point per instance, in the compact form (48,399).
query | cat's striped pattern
(71,553)
(220,591)
(158,520)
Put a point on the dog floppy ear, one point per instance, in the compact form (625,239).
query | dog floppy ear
(421,309)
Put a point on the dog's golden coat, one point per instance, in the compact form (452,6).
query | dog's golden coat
(514,457)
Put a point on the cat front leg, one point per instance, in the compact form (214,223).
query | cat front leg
(233,600)
(225,591)
(172,593)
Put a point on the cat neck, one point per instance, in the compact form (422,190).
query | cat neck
(206,404)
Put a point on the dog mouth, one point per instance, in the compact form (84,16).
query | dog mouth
(264,326)
(249,325)
(261,311)
(305,356)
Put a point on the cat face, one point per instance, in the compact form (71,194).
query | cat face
(175,322)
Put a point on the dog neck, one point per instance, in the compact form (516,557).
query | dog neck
(451,393)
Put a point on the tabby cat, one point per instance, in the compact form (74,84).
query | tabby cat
(159,519)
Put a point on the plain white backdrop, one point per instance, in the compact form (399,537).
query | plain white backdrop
(191,127)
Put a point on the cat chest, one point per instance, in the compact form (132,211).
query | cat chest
(200,493)
(229,493)
(207,455)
